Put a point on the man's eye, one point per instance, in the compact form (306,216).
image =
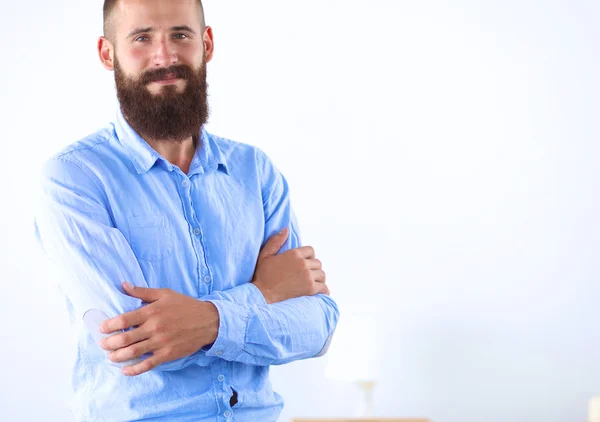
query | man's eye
(142,38)
(180,36)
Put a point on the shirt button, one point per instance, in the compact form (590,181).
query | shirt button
(196,232)
(221,378)
(207,279)
(185,183)
(219,352)
(227,413)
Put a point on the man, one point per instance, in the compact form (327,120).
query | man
(201,229)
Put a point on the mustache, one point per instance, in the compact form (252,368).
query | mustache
(179,71)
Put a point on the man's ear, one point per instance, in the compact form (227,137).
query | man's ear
(106,53)
(209,44)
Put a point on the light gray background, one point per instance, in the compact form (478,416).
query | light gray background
(443,160)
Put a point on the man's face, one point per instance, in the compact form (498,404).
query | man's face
(160,68)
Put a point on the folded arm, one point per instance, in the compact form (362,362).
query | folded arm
(277,333)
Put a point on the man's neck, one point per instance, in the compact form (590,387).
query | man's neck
(179,154)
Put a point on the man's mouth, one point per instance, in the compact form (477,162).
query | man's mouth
(169,78)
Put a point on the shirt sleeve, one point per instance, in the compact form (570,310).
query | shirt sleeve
(74,228)
(261,334)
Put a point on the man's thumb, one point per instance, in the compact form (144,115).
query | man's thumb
(273,245)
(146,294)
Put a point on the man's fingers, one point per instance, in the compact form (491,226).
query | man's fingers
(319,276)
(322,288)
(148,295)
(273,244)
(144,366)
(320,282)
(126,320)
(307,252)
(119,341)
(314,264)
(134,351)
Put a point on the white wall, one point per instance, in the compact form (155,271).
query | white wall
(443,159)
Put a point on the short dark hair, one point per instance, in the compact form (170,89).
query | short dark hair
(109,5)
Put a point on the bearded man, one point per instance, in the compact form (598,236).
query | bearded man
(178,252)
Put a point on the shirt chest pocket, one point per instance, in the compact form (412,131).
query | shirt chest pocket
(151,236)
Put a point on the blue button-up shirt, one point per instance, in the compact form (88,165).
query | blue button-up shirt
(111,209)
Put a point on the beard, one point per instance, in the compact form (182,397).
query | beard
(168,115)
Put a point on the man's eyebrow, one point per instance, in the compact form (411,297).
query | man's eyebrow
(183,28)
(138,31)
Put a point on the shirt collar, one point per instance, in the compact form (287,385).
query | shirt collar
(208,157)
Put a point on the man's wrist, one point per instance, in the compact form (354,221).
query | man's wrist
(210,315)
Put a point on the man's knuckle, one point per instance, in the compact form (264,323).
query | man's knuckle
(121,321)
(126,338)
(162,339)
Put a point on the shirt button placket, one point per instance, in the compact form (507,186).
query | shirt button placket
(221,378)
(197,232)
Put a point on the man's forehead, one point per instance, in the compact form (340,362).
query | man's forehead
(158,14)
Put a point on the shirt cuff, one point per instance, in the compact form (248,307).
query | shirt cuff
(233,322)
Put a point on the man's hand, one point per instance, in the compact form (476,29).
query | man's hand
(170,327)
(292,274)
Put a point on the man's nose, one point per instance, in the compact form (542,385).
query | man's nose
(165,54)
